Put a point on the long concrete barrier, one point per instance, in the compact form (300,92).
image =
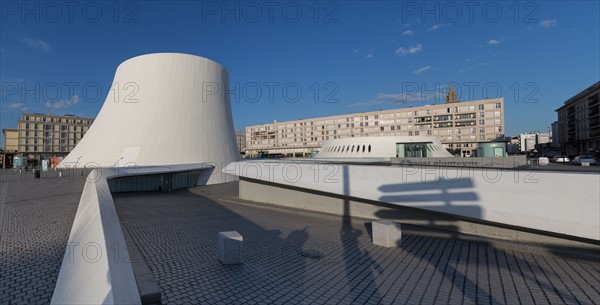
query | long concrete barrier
(96,267)
(557,202)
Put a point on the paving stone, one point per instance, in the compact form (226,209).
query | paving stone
(37,219)
(176,233)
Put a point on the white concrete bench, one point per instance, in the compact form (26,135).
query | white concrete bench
(387,234)
(230,247)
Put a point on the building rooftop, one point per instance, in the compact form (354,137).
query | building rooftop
(588,90)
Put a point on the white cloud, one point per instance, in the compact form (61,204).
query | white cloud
(355,51)
(409,51)
(36,44)
(408,33)
(395,98)
(403,98)
(548,23)
(421,70)
(370,55)
(437,27)
(473,67)
(492,42)
(19,106)
(367,104)
(63,103)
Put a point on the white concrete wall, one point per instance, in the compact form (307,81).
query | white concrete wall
(164,108)
(559,202)
(96,268)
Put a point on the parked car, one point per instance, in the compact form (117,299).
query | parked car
(561,159)
(583,159)
(543,161)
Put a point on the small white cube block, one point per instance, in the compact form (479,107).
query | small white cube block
(387,234)
(585,163)
(230,247)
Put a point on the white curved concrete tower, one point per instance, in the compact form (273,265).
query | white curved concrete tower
(162,109)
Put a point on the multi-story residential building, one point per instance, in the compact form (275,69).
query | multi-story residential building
(459,125)
(42,136)
(10,145)
(527,141)
(240,139)
(579,123)
(11,139)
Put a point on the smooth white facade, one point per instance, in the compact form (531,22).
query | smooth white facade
(376,147)
(559,202)
(163,109)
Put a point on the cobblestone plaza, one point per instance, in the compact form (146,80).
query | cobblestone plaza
(176,234)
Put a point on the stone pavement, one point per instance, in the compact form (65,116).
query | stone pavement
(36,216)
(176,234)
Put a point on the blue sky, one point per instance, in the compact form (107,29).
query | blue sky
(292,60)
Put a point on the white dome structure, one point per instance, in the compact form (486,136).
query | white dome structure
(383,147)
(163,109)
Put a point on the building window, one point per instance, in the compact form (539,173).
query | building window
(481,106)
(369,148)
(416,133)
(428,132)
(481,122)
(392,127)
(376,117)
(498,105)
(410,133)
(456,109)
(496,113)
(382,128)
(482,114)
(482,129)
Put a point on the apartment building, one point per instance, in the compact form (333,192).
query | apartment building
(579,123)
(527,141)
(41,136)
(240,139)
(459,125)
